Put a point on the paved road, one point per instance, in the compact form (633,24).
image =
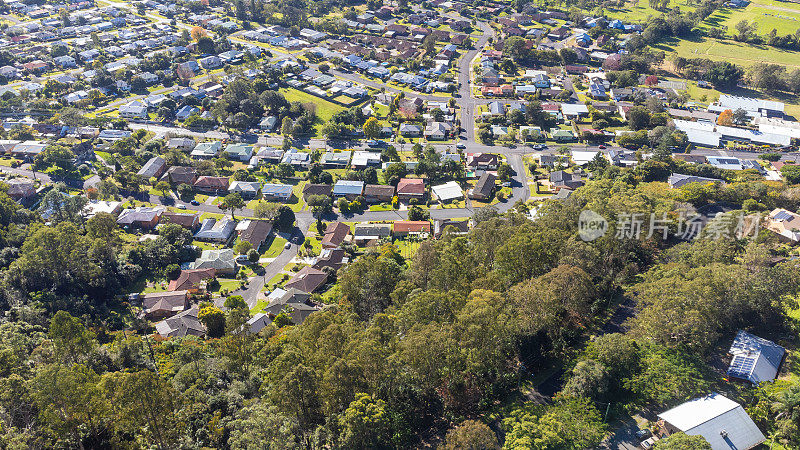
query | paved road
(467,101)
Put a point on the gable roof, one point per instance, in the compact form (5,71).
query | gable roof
(256,232)
(335,234)
(411,186)
(412,226)
(317,189)
(378,190)
(754,359)
(170,302)
(190,279)
(485,185)
(182,324)
(152,167)
(721,421)
(307,280)
(212,182)
(217,259)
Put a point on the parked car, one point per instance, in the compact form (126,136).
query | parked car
(181,206)
(288,245)
(195,202)
(461,146)
(242,260)
(647,444)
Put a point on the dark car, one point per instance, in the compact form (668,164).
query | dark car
(195,202)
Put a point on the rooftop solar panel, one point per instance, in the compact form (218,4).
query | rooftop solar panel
(783,215)
(742,366)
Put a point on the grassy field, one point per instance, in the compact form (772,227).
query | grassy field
(736,52)
(325,109)
(638,12)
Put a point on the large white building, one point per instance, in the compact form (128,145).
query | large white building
(721,421)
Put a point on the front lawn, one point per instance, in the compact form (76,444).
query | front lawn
(275,247)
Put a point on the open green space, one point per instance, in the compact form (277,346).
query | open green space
(740,53)
(325,109)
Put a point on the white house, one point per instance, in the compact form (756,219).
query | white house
(720,421)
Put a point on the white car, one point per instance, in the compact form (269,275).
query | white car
(288,245)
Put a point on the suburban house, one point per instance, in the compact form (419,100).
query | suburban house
(335,234)
(438,130)
(754,359)
(133,110)
(721,421)
(457,226)
(93,207)
(211,185)
(280,192)
(256,232)
(410,130)
(371,233)
(447,192)
(348,189)
(220,260)
(268,123)
(182,324)
(258,322)
(316,189)
(239,152)
(142,217)
(408,188)
(784,223)
(192,280)
(561,179)
(154,167)
(307,280)
(246,189)
(180,174)
(187,220)
(214,230)
(181,143)
(21,188)
(677,180)
(484,188)
(334,258)
(402,228)
(480,162)
(160,305)
(335,159)
(363,159)
(206,150)
(378,193)
(295,302)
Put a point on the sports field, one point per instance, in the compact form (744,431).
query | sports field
(638,12)
(767,15)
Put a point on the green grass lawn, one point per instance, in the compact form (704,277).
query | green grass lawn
(227,284)
(381,207)
(784,17)
(325,109)
(639,11)
(8,162)
(737,52)
(275,247)
(105,156)
(407,248)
